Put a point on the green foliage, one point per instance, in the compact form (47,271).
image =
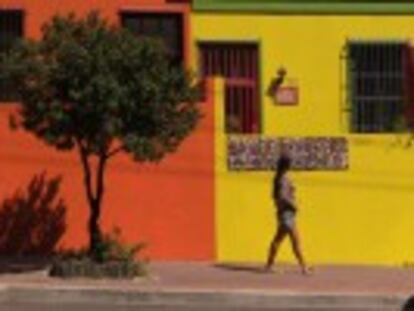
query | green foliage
(112,248)
(85,82)
(114,259)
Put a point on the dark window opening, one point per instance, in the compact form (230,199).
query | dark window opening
(11,30)
(165,26)
(377,85)
(238,64)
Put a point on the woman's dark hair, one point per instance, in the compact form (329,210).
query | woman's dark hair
(283,164)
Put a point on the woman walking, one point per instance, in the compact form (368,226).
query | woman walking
(284,198)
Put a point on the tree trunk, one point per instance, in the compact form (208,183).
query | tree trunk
(94,200)
(95,235)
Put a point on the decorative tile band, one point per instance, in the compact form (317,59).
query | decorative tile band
(257,153)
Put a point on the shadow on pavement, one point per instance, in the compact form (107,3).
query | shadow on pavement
(16,265)
(241,268)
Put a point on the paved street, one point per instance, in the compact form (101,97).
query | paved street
(93,307)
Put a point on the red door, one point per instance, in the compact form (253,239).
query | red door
(237,63)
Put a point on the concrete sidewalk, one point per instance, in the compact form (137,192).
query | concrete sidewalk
(329,288)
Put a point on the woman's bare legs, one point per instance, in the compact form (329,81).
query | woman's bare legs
(274,246)
(297,249)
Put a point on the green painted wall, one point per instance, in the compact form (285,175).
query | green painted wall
(307,6)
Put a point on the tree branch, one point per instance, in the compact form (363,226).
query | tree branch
(115,151)
(100,179)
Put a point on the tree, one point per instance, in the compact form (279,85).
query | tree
(99,90)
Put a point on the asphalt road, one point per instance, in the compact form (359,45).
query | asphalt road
(14,306)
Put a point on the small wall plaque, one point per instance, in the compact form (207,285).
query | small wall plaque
(287,95)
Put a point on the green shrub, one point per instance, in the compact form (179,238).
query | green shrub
(113,249)
(115,260)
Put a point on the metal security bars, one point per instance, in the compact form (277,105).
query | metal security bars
(377,85)
(237,63)
(168,27)
(11,29)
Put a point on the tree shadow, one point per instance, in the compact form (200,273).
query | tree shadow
(409,304)
(32,221)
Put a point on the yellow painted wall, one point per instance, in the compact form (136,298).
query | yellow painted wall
(361,216)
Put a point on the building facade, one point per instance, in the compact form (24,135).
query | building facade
(328,82)
(331,76)
(167,205)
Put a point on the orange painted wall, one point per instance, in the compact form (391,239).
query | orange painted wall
(39,11)
(169,205)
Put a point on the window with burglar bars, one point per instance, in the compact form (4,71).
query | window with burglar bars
(377,80)
(237,64)
(11,29)
(168,27)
